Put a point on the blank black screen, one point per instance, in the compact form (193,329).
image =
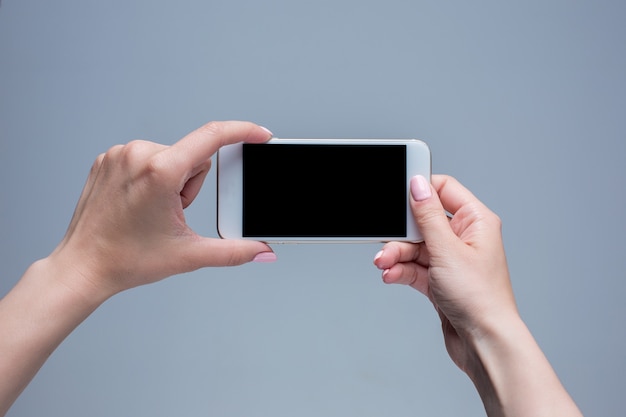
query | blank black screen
(319,191)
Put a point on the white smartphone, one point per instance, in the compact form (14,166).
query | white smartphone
(319,190)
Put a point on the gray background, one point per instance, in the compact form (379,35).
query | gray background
(524,102)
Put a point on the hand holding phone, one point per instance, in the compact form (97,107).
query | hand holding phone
(319,190)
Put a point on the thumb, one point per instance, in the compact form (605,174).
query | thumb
(429,214)
(205,252)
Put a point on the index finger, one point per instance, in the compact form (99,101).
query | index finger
(198,146)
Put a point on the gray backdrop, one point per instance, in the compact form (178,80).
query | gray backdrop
(524,102)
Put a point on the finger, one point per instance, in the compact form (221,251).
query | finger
(199,145)
(466,207)
(399,252)
(132,157)
(194,184)
(452,194)
(430,215)
(410,274)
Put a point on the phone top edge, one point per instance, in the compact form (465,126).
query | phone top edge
(331,141)
(344,140)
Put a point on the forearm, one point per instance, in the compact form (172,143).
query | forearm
(513,376)
(35,317)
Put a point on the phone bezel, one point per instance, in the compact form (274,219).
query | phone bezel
(230,188)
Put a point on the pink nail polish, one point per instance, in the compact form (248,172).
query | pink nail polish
(420,188)
(376,259)
(265,257)
(267,130)
(385,273)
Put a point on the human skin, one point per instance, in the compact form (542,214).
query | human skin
(461,267)
(128,230)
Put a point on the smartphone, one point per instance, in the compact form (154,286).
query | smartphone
(319,190)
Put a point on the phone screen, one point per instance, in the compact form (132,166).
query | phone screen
(324,190)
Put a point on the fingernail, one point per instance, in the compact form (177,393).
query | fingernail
(267,130)
(380,264)
(385,273)
(265,257)
(420,188)
(376,258)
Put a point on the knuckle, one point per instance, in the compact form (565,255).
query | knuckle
(496,220)
(142,159)
(213,129)
(428,215)
(490,217)
(98,162)
(234,258)
(412,277)
(109,157)
(124,154)
(113,151)
(134,149)
(155,164)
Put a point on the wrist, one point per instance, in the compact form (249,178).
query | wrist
(45,306)
(78,281)
(81,273)
(512,374)
(66,284)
